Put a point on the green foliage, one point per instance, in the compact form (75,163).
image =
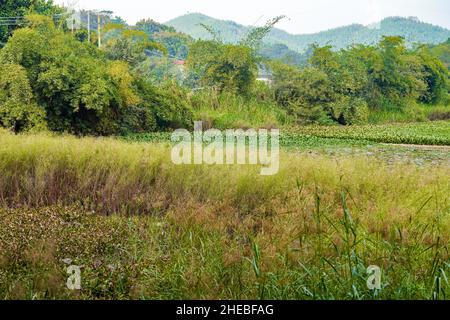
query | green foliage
(176,43)
(227,67)
(158,69)
(442,51)
(397,74)
(137,119)
(151,27)
(124,87)
(282,53)
(80,90)
(427,133)
(128,45)
(303,93)
(436,77)
(20,8)
(324,137)
(150,48)
(328,90)
(67,79)
(343,86)
(18,110)
(169,104)
(349,110)
(83,90)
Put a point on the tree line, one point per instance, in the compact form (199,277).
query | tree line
(53,79)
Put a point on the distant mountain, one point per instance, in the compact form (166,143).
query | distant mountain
(413,30)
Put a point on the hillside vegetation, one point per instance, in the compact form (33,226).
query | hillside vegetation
(411,29)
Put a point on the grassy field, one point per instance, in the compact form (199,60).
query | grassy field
(143,228)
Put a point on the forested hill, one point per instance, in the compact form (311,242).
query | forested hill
(413,30)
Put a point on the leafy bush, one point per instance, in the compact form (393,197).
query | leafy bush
(17,107)
(168,103)
(228,67)
(304,95)
(78,89)
(348,110)
(69,79)
(436,78)
(137,119)
(19,8)
(342,87)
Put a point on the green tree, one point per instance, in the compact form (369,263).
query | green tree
(304,93)
(332,89)
(71,80)
(18,110)
(177,43)
(436,77)
(129,45)
(21,8)
(168,103)
(399,76)
(227,67)
(442,51)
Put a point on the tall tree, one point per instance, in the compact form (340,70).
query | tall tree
(224,66)
(12,13)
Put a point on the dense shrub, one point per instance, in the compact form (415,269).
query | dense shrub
(169,104)
(18,111)
(137,120)
(349,110)
(342,87)
(70,80)
(228,67)
(436,78)
(49,77)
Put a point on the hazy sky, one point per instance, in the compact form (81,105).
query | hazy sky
(305,16)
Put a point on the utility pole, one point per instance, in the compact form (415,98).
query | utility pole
(99,30)
(89,26)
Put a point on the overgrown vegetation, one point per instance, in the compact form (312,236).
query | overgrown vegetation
(218,232)
(141,227)
(345,87)
(68,85)
(78,88)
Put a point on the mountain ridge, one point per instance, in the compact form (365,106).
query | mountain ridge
(411,28)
